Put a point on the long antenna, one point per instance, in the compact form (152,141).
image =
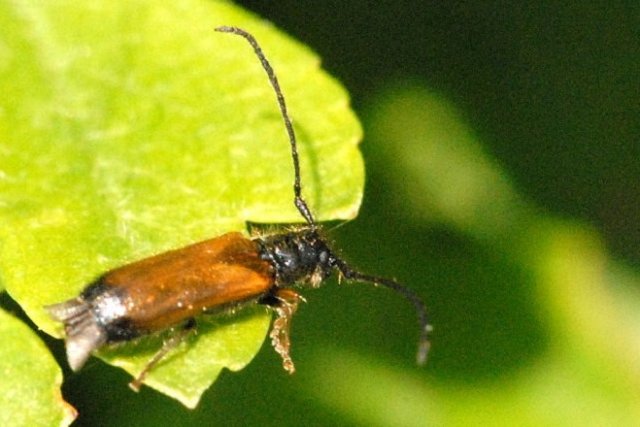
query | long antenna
(303,208)
(299,201)
(421,310)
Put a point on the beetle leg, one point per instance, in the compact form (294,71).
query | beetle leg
(285,306)
(173,341)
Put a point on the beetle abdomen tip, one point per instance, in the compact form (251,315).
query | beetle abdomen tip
(83,333)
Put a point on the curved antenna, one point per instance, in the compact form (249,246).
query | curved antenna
(421,310)
(300,203)
(303,208)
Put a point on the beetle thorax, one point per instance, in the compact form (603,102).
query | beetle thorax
(300,257)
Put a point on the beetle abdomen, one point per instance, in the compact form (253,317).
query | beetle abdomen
(83,333)
(161,292)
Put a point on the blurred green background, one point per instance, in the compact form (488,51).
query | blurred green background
(503,155)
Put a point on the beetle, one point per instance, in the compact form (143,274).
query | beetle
(223,274)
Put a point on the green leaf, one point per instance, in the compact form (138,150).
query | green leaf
(131,128)
(587,300)
(30,387)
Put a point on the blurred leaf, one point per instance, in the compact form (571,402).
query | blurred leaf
(588,301)
(30,387)
(130,128)
(448,176)
(370,393)
(556,391)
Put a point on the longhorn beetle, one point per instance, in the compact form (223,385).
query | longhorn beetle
(172,289)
